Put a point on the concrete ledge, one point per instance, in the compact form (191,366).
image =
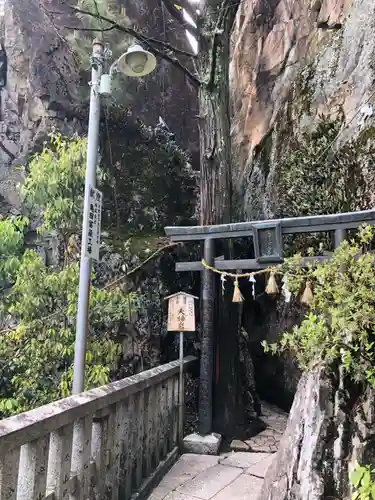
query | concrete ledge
(154,479)
(202,445)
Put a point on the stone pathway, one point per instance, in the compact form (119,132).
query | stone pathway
(268,440)
(232,476)
(235,476)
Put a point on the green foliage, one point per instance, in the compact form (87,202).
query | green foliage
(40,350)
(39,302)
(11,247)
(362,480)
(339,325)
(314,179)
(55,183)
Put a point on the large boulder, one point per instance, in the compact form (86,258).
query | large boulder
(328,431)
(303,459)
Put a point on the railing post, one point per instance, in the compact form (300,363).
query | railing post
(120,437)
(164,409)
(33,470)
(340,236)
(98,453)
(129,451)
(149,410)
(139,414)
(158,424)
(9,464)
(170,413)
(206,369)
(60,452)
(80,462)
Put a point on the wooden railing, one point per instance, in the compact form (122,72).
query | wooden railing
(106,443)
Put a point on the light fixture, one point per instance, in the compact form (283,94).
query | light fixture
(136,62)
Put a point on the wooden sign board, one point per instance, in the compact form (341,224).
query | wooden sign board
(181,312)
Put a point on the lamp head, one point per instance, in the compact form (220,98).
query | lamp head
(136,62)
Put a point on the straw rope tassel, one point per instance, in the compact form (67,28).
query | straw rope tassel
(272,288)
(237,295)
(307,296)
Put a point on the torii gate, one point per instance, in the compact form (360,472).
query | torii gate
(267,238)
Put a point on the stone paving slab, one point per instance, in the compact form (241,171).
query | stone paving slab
(208,483)
(244,460)
(268,440)
(276,424)
(260,468)
(245,487)
(159,493)
(187,467)
(176,495)
(265,442)
(237,476)
(262,443)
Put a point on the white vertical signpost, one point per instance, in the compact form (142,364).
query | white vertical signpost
(92,238)
(181,318)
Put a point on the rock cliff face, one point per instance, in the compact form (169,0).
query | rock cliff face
(302,468)
(291,62)
(46,87)
(42,89)
(329,429)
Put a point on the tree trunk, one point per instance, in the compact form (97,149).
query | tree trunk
(214,122)
(216,202)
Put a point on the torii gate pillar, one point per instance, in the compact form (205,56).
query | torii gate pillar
(207,342)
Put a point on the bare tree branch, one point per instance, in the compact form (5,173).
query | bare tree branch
(137,268)
(148,41)
(178,15)
(172,48)
(110,28)
(165,45)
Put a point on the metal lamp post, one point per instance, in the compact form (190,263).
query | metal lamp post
(136,62)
